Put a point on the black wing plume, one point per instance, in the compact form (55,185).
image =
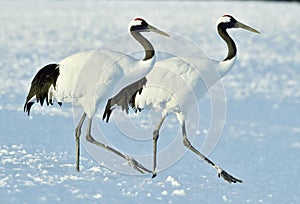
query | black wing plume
(125,98)
(40,85)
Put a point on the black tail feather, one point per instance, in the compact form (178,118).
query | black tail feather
(40,85)
(27,107)
(108,110)
(125,98)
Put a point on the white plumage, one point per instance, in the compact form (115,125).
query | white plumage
(172,85)
(89,78)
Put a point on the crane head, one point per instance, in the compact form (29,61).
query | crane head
(140,25)
(227,22)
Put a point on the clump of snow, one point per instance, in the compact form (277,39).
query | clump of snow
(97,196)
(95,169)
(172,181)
(295,145)
(178,192)
(3,181)
(224,197)
(164,192)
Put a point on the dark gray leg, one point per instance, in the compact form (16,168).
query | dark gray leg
(227,177)
(155,138)
(132,162)
(77,135)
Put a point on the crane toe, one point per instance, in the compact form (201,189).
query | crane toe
(227,177)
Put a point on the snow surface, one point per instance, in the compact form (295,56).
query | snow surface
(260,142)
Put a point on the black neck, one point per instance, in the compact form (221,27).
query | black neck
(230,43)
(149,50)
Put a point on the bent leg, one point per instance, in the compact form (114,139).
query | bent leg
(132,162)
(227,177)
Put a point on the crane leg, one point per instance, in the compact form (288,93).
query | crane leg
(155,138)
(221,173)
(77,136)
(132,162)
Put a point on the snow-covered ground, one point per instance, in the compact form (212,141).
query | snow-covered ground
(260,142)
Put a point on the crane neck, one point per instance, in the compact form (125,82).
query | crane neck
(230,43)
(149,50)
(227,64)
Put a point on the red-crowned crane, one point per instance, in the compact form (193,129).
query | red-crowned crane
(89,78)
(173,83)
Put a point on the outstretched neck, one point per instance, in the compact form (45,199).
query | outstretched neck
(230,43)
(226,65)
(149,50)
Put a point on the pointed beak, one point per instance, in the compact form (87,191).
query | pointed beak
(241,25)
(156,30)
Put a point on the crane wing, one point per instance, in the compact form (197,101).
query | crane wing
(124,98)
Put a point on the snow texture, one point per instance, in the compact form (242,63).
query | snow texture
(260,142)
